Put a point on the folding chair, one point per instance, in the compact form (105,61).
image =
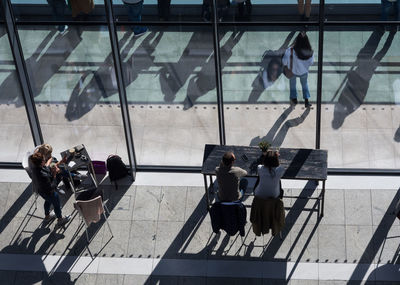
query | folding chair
(91,211)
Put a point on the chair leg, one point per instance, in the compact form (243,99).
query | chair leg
(105,207)
(108,225)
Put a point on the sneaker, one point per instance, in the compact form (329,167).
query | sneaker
(293,101)
(49,218)
(142,31)
(63,221)
(60,191)
(307,104)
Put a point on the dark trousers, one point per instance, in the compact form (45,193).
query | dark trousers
(52,199)
(163,8)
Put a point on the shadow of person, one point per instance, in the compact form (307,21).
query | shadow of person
(173,76)
(204,81)
(397,135)
(359,77)
(276,137)
(103,83)
(41,66)
(258,85)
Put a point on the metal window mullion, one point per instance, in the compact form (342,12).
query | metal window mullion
(121,87)
(319,77)
(218,76)
(22,74)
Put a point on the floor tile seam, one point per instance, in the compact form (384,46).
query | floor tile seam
(345,224)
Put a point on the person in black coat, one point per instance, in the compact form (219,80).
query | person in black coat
(45,179)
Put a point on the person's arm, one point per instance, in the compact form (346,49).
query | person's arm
(280,171)
(285,58)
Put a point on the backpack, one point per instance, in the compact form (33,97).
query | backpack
(116,168)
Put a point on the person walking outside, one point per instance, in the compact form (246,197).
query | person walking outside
(135,14)
(296,61)
(304,7)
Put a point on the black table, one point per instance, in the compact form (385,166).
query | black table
(80,163)
(299,163)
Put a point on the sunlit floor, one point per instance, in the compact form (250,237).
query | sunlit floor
(163,235)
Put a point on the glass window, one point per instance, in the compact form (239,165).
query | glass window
(15,134)
(360,118)
(257,104)
(75,89)
(170,82)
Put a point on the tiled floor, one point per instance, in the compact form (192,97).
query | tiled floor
(163,235)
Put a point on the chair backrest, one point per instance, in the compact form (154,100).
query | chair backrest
(25,163)
(90,210)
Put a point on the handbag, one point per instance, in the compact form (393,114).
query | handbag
(288,71)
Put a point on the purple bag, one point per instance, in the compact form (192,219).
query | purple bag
(99,167)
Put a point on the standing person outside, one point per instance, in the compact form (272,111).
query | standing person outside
(135,14)
(46,183)
(387,5)
(231,185)
(58,7)
(269,174)
(304,7)
(163,9)
(296,61)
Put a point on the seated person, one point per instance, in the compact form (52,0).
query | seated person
(269,183)
(45,180)
(47,150)
(228,177)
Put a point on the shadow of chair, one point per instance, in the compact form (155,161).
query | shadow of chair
(91,211)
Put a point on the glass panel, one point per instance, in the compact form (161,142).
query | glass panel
(357,10)
(360,119)
(256,94)
(15,134)
(58,10)
(170,83)
(73,80)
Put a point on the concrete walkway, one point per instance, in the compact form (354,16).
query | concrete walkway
(162,235)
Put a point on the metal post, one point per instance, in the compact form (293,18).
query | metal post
(218,76)
(23,78)
(121,88)
(319,72)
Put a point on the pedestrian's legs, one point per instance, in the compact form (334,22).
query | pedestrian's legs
(58,7)
(385,5)
(300,6)
(135,15)
(304,86)
(292,84)
(307,9)
(53,199)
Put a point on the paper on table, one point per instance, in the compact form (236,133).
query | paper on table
(71,164)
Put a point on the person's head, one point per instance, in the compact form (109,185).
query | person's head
(46,150)
(271,159)
(37,159)
(273,69)
(302,46)
(228,158)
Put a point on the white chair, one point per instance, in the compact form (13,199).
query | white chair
(91,211)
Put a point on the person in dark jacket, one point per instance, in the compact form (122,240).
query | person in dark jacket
(230,217)
(46,183)
(231,185)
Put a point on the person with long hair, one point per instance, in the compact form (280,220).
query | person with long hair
(269,176)
(299,56)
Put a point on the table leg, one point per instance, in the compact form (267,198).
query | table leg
(207,194)
(323,198)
